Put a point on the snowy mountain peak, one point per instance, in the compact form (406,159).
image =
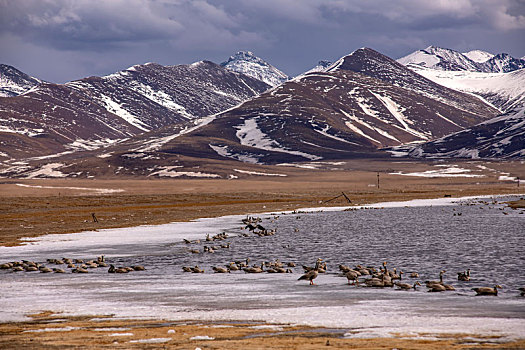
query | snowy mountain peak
(246,62)
(478,56)
(14,82)
(503,63)
(474,61)
(440,58)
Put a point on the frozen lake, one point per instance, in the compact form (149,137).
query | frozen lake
(424,236)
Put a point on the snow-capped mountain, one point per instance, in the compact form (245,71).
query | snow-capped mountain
(95,111)
(502,138)
(340,114)
(478,56)
(473,61)
(247,63)
(503,63)
(506,91)
(440,58)
(363,102)
(14,82)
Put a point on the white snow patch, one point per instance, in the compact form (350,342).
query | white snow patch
(257,173)
(151,340)
(397,112)
(169,172)
(47,170)
(453,171)
(61,329)
(202,337)
(117,109)
(97,190)
(223,151)
(249,134)
(162,99)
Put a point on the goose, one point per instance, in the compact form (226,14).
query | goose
(17,268)
(414,275)
(186,269)
(138,268)
(254,269)
(291,264)
(121,270)
(44,269)
(464,276)
(311,275)
(522,290)
(397,276)
(436,288)
(431,283)
(220,269)
(407,286)
(79,270)
(233,267)
(352,275)
(111,269)
(487,290)
(375,282)
(196,269)
(344,268)
(57,270)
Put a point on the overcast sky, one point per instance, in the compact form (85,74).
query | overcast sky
(63,40)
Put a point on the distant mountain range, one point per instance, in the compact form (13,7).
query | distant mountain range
(204,119)
(473,61)
(91,112)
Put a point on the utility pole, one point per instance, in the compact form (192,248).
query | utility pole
(378,180)
(518,178)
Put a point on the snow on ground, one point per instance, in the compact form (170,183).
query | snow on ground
(397,112)
(169,172)
(257,173)
(249,134)
(452,171)
(87,189)
(47,170)
(161,98)
(478,55)
(511,85)
(117,109)
(223,151)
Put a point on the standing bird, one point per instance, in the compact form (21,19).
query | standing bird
(311,275)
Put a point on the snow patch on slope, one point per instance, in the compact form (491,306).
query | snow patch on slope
(249,134)
(117,109)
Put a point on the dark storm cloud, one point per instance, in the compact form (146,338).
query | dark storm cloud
(61,40)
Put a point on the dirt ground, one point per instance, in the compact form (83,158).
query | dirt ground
(30,208)
(54,331)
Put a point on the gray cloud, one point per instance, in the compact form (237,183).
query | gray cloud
(61,40)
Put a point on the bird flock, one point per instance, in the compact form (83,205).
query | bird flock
(65,265)
(359,275)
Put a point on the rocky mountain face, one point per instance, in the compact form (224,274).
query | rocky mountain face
(451,60)
(247,63)
(97,111)
(502,137)
(14,82)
